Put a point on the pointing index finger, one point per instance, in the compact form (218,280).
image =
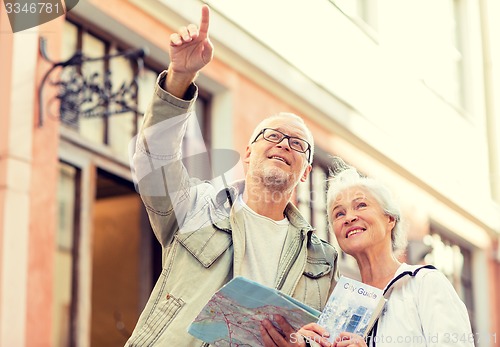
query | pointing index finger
(205,20)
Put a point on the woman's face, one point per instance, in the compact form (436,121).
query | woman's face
(359,222)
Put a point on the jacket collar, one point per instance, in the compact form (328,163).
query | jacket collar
(223,206)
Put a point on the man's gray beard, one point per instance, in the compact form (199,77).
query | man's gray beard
(276,179)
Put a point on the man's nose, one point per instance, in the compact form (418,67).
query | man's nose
(285,143)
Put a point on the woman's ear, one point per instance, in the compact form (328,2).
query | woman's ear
(392,221)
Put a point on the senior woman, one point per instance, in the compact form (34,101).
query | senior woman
(423,308)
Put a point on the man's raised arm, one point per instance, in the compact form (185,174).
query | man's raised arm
(158,171)
(190,50)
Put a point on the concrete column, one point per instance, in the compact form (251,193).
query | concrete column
(20,53)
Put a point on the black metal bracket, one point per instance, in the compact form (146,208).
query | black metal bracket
(86,96)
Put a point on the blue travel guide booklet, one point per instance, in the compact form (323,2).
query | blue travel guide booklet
(353,307)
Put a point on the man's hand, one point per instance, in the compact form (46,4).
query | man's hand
(291,338)
(346,339)
(190,50)
(273,338)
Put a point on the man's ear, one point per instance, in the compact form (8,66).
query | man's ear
(306,173)
(246,159)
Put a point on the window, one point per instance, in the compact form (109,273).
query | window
(362,12)
(105,124)
(440,50)
(92,116)
(455,261)
(197,142)
(311,201)
(65,255)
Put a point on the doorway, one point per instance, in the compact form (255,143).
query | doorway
(123,260)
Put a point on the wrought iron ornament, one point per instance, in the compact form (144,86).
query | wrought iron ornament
(83,96)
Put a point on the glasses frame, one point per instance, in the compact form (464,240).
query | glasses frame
(288,137)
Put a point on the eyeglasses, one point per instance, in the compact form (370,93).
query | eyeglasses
(295,143)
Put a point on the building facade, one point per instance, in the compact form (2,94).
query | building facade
(407,91)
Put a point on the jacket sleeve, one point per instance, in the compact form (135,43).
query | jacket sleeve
(444,317)
(159,175)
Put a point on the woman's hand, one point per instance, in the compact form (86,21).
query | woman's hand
(314,332)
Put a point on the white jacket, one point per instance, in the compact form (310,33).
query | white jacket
(424,310)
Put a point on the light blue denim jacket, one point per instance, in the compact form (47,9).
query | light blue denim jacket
(201,249)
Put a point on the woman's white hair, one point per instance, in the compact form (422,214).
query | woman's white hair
(343,176)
